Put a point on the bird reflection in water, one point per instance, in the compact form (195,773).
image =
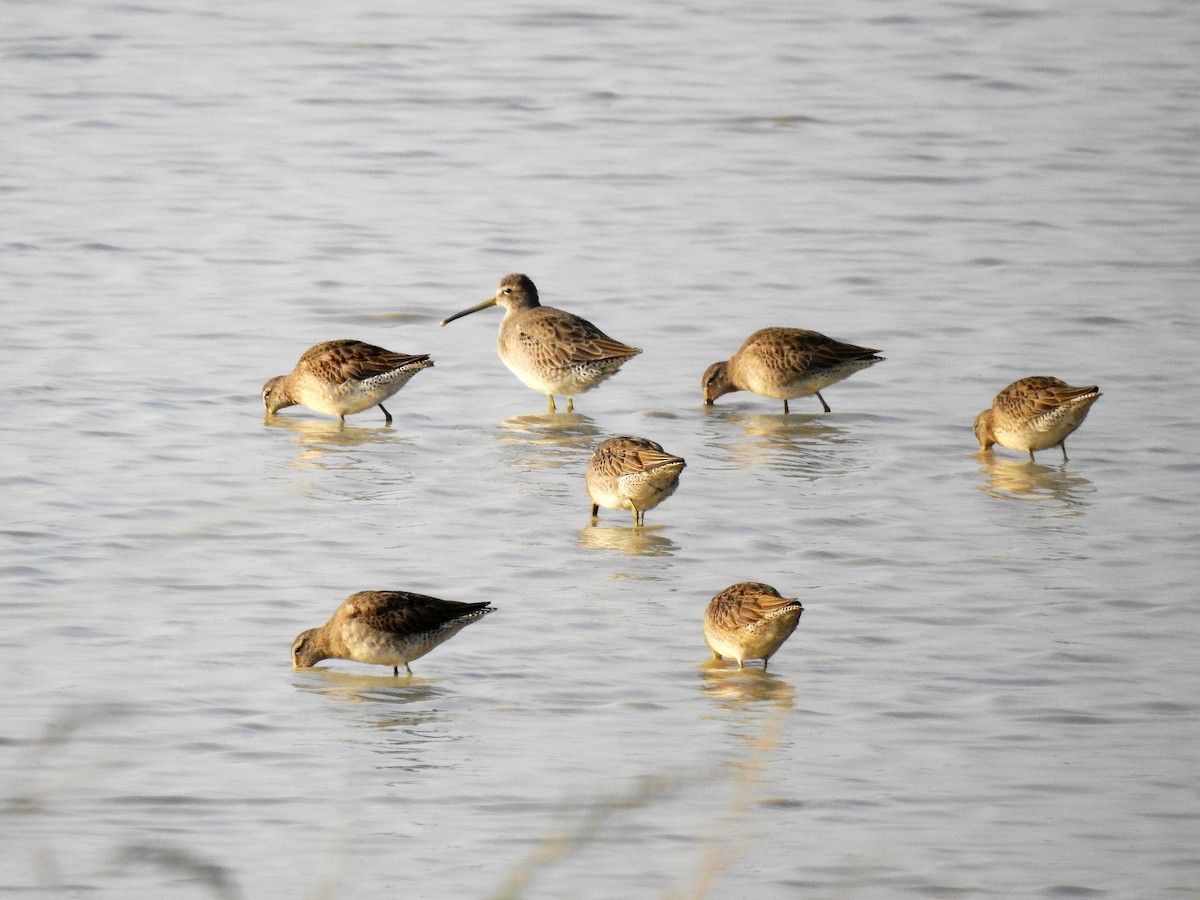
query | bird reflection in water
(353,687)
(317,438)
(753,707)
(548,441)
(1013,479)
(642,541)
(409,711)
(808,446)
(732,687)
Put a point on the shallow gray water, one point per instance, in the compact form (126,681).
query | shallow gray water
(993,689)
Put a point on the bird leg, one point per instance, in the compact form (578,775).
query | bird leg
(387,416)
(570,404)
(823,403)
(785,406)
(552,407)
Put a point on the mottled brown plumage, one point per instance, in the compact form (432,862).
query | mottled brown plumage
(551,351)
(631,473)
(387,628)
(1033,414)
(785,363)
(749,620)
(343,377)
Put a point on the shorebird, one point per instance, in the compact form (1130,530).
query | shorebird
(785,363)
(631,473)
(749,620)
(343,377)
(551,351)
(1033,414)
(386,628)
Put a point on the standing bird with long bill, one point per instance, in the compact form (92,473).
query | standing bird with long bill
(551,351)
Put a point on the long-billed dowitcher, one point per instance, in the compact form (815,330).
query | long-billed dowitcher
(631,473)
(785,363)
(1033,414)
(749,620)
(343,377)
(386,628)
(551,351)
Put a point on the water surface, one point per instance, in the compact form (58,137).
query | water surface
(993,688)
